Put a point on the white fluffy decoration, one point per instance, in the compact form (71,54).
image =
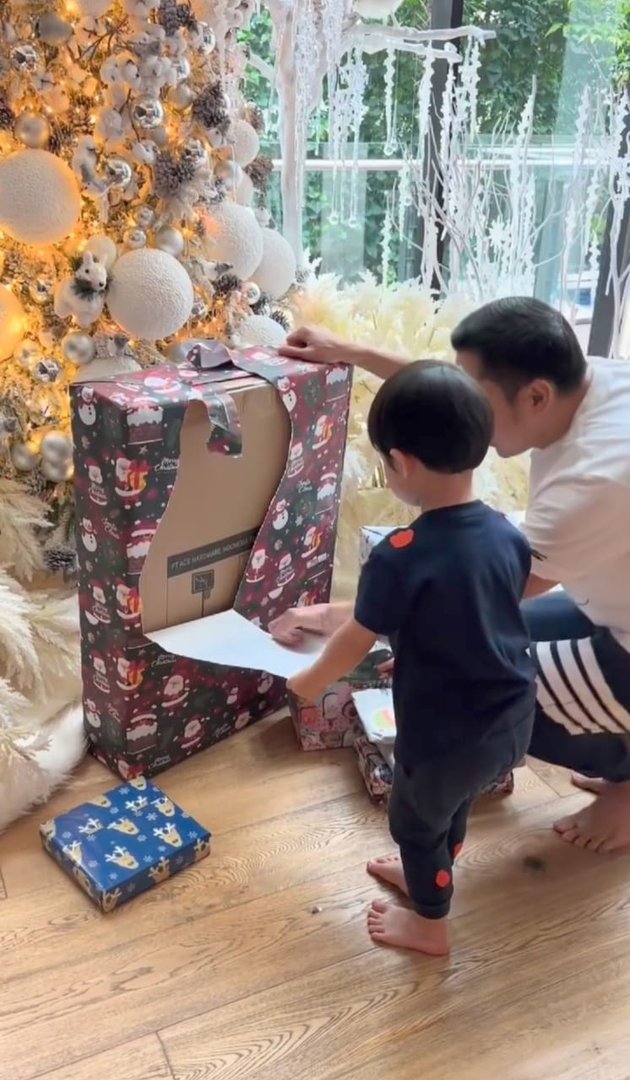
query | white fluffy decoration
(11,323)
(40,201)
(151,295)
(245,191)
(244,142)
(234,236)
(276,273)
(261,330)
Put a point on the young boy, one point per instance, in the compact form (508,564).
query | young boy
(446,592)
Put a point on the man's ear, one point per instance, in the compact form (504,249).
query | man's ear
(538,395)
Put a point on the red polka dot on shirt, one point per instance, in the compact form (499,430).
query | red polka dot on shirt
(402,539)
(442,879)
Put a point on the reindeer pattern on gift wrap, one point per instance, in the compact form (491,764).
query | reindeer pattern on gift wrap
(131,839)
(123,858)
(169,834)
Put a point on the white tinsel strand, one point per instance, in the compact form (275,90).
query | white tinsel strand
(358,109)
(386,243)
(390,74)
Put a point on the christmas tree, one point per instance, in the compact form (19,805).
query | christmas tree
(132,222)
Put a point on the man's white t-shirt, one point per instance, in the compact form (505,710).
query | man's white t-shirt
(578,516)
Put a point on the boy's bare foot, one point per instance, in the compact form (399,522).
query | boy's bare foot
(389,868)
(397,926)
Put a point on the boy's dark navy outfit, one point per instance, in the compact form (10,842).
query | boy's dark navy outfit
(447,593)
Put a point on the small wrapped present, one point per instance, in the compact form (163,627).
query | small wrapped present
(374,769)
(330,723)
(375,745)
(120,844)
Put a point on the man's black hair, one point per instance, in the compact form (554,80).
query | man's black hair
(520,339)
(436,413)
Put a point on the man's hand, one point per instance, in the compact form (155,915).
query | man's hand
(316,345)
(306,686)
(322,619)
(386,669)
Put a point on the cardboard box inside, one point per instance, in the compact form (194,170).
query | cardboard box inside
(201,548)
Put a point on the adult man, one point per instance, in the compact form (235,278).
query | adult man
(575,419)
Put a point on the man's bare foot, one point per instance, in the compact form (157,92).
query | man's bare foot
(397,926)
(604,826)
(590,783)
(388,868)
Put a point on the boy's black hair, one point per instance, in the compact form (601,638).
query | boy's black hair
(520,339)
(436,413)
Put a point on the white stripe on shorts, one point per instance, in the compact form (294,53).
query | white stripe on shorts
(575,693)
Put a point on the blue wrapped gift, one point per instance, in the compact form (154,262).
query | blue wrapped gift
(120,844)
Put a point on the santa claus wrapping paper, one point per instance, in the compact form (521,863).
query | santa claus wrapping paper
(197,491)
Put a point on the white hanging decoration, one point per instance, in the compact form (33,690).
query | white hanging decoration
(40,202)
(386,243)
(390,74)
(376,9)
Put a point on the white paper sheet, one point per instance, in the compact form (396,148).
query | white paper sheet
(376,713)
(233,641)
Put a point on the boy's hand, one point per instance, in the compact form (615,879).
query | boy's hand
(306,686)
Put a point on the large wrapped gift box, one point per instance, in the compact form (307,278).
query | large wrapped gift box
(124,842)
(199,488)
(331,722)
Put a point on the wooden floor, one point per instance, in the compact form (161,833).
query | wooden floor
(256,963)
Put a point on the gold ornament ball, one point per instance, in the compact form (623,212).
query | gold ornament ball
(40,202)
(12,323)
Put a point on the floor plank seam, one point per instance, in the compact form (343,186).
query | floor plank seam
(166,1055)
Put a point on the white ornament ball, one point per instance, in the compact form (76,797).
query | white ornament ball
(244,142)
(261,330)
(78,348)
(24,459)
(106,367)
(95,8)
(276,273)
(245,191)
(40,202)
(12,323)
(233,236)
(56,471)
(151,295)
(56,446)
(103,249)
(229,174)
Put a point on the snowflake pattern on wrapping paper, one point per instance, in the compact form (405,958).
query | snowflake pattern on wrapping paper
(126,435)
